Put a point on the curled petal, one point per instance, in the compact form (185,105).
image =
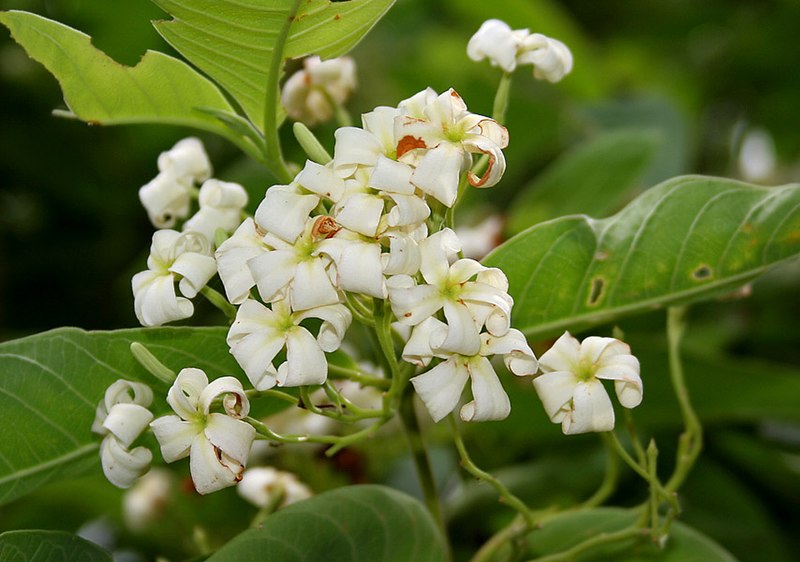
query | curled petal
(211,468)
(564,355)
(497,162)
(435,253)
(233,437)
(165,198)
(412,305)
(272,272)
(127,421)
(305,362)
(555,390)
(255,352)
(392,176)
(440,388)
(222,195)
(121,466)
(464,269)
(127,392)
(284,211)
(417,350)
(591,411)
(438,172)
(234,401)
(184,394)
(489,306)
(493,276)
(360,212)
(380,122)
(174,436)
(335,321)
(403,256)
(312,285)
(490,401)
(321,180)
(232,257)
(155,301)
(552,59)
(187,159)
(517,354)
(196,270)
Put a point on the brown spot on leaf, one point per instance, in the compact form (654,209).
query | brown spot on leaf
(597,291)
(337,17)
(702,273)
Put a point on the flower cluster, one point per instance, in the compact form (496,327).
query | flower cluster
(507,48)
(186,257)
(311,94)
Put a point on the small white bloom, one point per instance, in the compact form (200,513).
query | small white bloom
(285,210)
(174,256)
(187,160)
(570,387)
(308,93)
(442,142)
(259,333)
(217,444)
(551,59)
(145,502)
(496,41)
(468,305)
(221,205)
(232,257)
(121,417)
(166,198)
(361,147)
(441,387)
(263,485)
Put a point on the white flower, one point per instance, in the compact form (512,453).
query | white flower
(121,417)
(166,198)
(259,333)
(551,59)
(441,387)
(299,270)
(232,257)
(308,93)
(362,147)
(145,502)
(468,305)
(174,256)
(221,205)
(285,210)
(507,48)
(570,387)
(443,140)
(497,42)
(187,160)
(263,486)
(217,444)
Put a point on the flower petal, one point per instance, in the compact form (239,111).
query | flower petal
(127,421)
(305,362)
(234,401)
(360,212)
(284,211)
(233,437)
(312,285)
(440,388)
(592,410)
(517,354)
(360,269)
(211,468)
(321,180)
(273,271)
(555,390)
(174,436)
(564,355)
(184,394)
(335,321)
(417,350)
(490,401)
(155,301)
(121,466)
(438,172)
(196,270)
(232,258)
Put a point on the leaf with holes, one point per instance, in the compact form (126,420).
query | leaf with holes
(51,383)
(356,523)
(97,89)
(687,239)
(49,546)
(242,43)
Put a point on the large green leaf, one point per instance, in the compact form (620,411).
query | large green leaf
(594,178)
(356,523)
(49,546)
(565,531)
(51,383)
(242,43)
(98,90)
(686,239)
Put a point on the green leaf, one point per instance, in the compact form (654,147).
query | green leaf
(594,178)
(242,44)
(49,546)
(687,239)
(565,531)
(356,523)
(51,383)
(98,90)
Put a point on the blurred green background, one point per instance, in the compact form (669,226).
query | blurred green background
(713,86)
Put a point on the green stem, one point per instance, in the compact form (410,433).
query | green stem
(419,454)
(310,144)
(652,464)
(505,494)
(272,143)
(609,483)
(218,300)
(501,98)
(357,376)
(612,439)
(509,533)
(383,331)
(691,440)
(597,540)
(252,393)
